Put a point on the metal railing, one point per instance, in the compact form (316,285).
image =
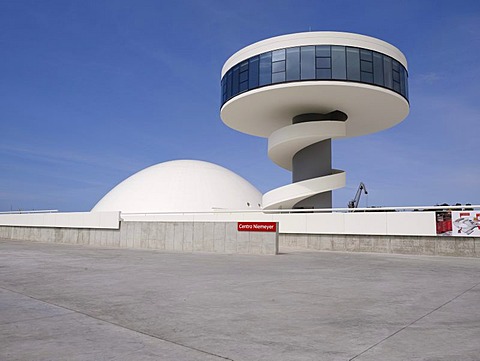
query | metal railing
(31,211)
(319,210)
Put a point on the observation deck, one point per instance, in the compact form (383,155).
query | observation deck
(303,90)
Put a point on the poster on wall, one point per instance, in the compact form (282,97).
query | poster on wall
(444,223)
(466,223)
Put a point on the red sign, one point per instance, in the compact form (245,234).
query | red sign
(257,226)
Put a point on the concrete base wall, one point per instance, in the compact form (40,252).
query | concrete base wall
(416,245)
(223,237)
(218,237)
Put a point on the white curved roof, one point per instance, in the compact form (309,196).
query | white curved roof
(181,186)
(315,38)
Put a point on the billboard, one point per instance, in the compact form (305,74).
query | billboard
(466,223)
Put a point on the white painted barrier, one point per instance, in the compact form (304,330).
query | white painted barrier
(406,221)
(373,223)
(105,220)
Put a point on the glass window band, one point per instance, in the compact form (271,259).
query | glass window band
(315,63)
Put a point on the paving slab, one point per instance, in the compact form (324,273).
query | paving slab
(64,302)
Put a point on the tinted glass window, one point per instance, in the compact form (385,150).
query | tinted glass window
(387,72)
(396,76)
(243,76)
(395,65)
(402,82)
(406,84)
(322,50)
(235,79)
(339,66)
(265,69)
(293,64)
(278,66)
(366,66)
(244,66)
(324,74)
(307,68)
(243,86)
(353,64)
(366,77)
(323,63)
(253,72)
(365,55)
(224,89)
(229,84)
(378,68)
(278,77)
(278,55)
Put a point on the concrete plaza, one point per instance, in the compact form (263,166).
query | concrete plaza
(65,302)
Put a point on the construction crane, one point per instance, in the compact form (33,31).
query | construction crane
(354,202)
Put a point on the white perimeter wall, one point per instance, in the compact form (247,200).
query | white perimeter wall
(381,223)
(375,223)
(107,220)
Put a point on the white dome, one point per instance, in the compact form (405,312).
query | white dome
(181,186)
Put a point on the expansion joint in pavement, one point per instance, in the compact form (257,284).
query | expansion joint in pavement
(117,325)
(413,322)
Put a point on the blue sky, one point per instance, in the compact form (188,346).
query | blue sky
(94,91)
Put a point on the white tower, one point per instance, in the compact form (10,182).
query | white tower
(303,90)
